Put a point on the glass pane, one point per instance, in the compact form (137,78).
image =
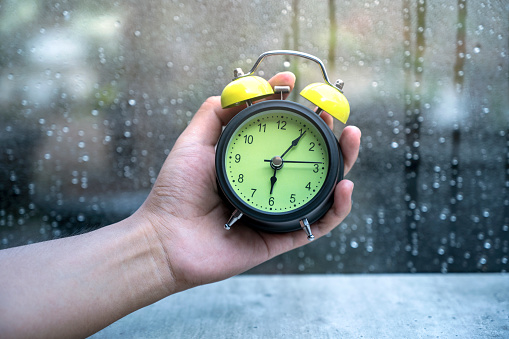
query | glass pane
(94,94)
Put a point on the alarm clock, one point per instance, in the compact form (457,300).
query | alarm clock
(277,162)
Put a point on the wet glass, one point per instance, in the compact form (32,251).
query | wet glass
(94,94)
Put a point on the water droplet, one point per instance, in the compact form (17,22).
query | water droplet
(132,102)
(477,49)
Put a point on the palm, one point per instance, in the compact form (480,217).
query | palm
(200,244)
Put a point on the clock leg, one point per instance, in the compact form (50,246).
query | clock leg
(304,223)
(233,219)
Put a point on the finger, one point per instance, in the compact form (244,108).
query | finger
(350,141)
(339,210)
(278,243)
(282,79)
(328,119)
(205,127)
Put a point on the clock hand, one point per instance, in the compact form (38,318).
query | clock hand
(273,180)
(298,162)
(294,143)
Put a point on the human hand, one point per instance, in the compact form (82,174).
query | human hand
(186,214)
(175,241)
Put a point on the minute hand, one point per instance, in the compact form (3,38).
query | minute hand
(294,143)
(297,162)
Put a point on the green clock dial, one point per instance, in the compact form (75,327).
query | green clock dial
(277,164)
(262,175)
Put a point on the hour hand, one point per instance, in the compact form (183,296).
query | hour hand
(273,180)
(276,163)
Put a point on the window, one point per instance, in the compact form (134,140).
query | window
(94,94)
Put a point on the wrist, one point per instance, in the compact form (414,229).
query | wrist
(145,266)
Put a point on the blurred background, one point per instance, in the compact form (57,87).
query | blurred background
(93,95)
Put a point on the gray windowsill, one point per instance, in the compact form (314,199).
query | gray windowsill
(329,306)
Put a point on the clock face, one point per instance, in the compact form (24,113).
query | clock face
(276,161)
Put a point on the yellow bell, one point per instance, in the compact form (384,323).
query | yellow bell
(245,88)
(328,98)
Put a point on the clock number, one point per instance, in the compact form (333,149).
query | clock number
(237,158)
(316,168)
(312,144)
(271,201)
(248,139)
(254,191)
(281,124)
(241,178)
(292,198)
(262,127)
(308,186)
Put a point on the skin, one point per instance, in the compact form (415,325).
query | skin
(75,286)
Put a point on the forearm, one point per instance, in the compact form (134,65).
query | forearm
(76,286)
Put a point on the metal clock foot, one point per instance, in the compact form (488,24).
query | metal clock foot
(236,215)
(304,223)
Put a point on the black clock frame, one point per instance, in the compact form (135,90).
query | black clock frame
(281,221)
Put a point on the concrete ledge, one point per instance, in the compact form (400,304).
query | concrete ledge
(329,306)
